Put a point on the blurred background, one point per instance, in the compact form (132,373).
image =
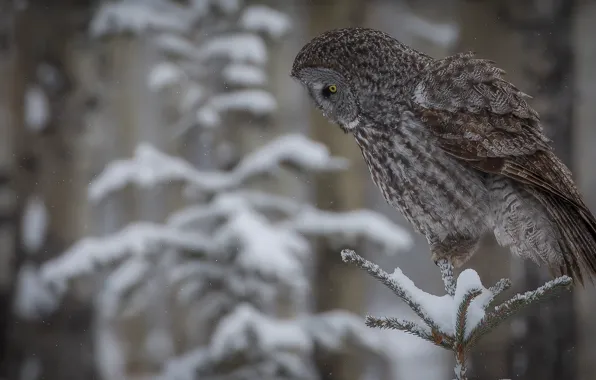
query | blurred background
(172,206)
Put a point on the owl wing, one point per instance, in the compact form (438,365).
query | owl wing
(481,119)
(478,117)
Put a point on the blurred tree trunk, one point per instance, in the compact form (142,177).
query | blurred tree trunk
(546,348)
(8,221)
(584,158)
(337,285)
(47,166)
(531,40)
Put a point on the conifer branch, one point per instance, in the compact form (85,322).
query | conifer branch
(471,316)
(374,270)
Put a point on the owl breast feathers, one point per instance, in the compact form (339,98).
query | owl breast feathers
(454,147)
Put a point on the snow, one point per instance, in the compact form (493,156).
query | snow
(443,34)
(137,239)
(264,247)
(121,280)
(150,167)
(246,329)
(34,224)
(208,117)
(188,292)
(443,310)
(33,299)
(237,251)
(163,75)
(257,102)
(244,75)
(237,47)
(438,312)
(193,94)
(438,309)
(469,281)
(37,109)
(177,45)
(184,367)
(227,6)
(233,332)
(352,226)
(140,16)
(261,18)
(293,148)
(110,357)
(225,204)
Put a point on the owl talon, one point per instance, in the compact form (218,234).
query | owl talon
(455,249)
(436,257)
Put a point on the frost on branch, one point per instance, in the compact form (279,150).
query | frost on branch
(458,319)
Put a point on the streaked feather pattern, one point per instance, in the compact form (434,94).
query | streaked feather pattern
(484,121)
(454,147)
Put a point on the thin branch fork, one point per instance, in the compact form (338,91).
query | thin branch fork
(460,341)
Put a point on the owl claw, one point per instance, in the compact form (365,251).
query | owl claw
(457,250)
(454,259)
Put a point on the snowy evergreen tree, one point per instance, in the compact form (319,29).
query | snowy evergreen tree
(235,258)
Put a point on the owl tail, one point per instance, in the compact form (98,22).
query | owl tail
(577,227)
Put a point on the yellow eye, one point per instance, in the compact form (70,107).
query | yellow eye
(333,89)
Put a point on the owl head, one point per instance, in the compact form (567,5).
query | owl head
(350,73)
(332,94)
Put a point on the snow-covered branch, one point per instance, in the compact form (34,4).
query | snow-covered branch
(150,167)
(248,332)
(137,239)
(457,320)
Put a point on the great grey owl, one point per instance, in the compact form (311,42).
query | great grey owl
(453,146)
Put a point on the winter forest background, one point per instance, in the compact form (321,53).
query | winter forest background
(173,207)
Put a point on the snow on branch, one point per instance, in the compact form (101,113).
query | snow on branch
(261,18)
(244,75)
(265,248)
(139,16)
(164,75)
(150,167)
(352,227)
(247,330)
(139,238)
(458,319)
(254,101)
(127,275)
(244,47)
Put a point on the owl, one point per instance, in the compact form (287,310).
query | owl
(453,146)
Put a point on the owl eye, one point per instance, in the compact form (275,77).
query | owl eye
(328,90)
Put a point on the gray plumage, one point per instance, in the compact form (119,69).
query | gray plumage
(452,146)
